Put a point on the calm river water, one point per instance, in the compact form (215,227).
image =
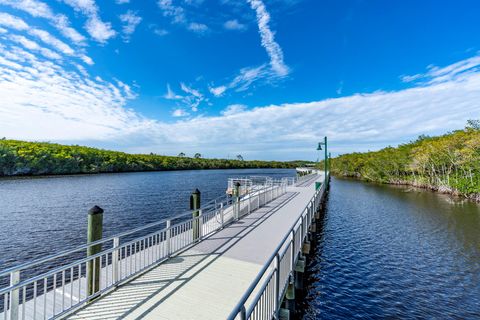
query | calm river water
(395,253)
(384,252)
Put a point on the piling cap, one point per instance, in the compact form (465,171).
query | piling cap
(95,210)
(195,200)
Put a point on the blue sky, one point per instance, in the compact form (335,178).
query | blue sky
(263,78)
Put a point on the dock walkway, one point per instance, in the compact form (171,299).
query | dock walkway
(207,280)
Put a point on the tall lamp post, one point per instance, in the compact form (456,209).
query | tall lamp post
(320,144)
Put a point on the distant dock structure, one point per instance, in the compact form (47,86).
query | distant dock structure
(240,256)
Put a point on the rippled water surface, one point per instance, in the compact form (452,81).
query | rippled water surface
(49,214)
(384,252)
(393,252)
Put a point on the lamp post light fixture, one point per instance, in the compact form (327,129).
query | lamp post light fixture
(320,144)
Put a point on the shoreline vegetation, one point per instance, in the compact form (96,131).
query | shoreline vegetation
(22,158)
(447,164)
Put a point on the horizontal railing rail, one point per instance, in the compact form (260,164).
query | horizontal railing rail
(271,282)
(67,287)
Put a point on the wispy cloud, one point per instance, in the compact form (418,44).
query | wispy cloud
(40,9)
(273,49)
(197,27)
(233,109)
(179,113)
(340,88)
(170,95)
(122,1)
(270,73)
(99,30)
(43,100)
(245,78)
(436,74)
(86,109)
(217,91)
(130,20)
(18,24)
(193,98)
(160,32)
(178,16)
(234,25)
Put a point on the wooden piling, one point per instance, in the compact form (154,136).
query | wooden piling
(195,206)
(94,233)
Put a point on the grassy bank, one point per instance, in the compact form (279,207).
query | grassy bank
(19,158)
(448,163)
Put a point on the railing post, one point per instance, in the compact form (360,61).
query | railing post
(249,203)
(167,236)
(222,218)
(14,296)
(292,267)
(243,313)
(277,285)
(94,233)
(195,206)
(115,257)
(200,224)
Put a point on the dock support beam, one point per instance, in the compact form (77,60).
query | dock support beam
(94,233)
(290,298)
(299,272)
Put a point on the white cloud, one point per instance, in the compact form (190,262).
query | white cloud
(178,16)
(20,25)
(84,109)
(177,13)
(170,95)
(233,109)
(160,32)
(197,27)
(340,88)
(122,1)
(33,46)
(436,74)
(268,40)
(272,73)
(234,25)
(245,78)
(131,21)
(99,30)
(179,113)
(42,100)
(13,22)
(40,9)
(190,90)
(217,91)
(54,42)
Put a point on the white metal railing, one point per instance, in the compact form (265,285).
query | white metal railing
(263,298)
(61,286)
(305,178)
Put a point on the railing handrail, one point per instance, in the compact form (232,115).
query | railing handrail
(110,238)
(241,304)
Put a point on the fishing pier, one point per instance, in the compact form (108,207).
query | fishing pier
(241,256)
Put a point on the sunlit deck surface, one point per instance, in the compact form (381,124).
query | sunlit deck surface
(207,280)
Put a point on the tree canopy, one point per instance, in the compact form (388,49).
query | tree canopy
(448,163)
(41,158)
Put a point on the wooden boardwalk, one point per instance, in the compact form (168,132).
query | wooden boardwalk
(207,280)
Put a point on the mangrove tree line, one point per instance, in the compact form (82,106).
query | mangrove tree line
(448,163)
(40,158)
